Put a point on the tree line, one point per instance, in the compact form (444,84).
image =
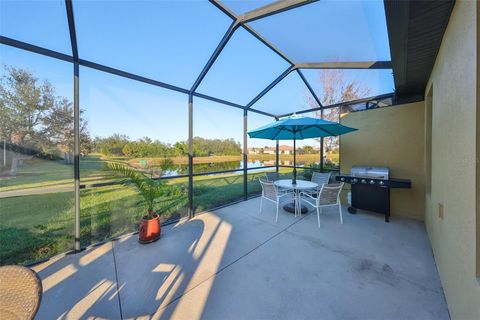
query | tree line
(121,145)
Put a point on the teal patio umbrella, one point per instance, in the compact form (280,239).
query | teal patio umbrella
(299,128)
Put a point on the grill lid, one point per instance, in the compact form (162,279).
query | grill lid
(370,172)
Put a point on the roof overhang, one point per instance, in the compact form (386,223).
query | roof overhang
(415,30)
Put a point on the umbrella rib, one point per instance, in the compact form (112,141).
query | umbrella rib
(321,128)
(276,135)
(331,134)
(280,130)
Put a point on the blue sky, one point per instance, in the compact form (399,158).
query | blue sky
(170,41)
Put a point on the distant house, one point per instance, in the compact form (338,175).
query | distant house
(269,150)
(264,150)
(283,149)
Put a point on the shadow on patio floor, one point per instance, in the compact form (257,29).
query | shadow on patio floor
(235,263)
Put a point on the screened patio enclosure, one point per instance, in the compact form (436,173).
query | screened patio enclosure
(174,76)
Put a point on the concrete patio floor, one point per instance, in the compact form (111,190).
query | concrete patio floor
(236,264)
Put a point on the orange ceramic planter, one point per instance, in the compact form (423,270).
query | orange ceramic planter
(149,229)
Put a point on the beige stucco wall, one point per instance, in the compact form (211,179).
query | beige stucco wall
(454,113)
(478,143)
(390,137)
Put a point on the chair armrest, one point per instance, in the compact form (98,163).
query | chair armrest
(308,195)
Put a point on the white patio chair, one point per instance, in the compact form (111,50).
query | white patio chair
(273,194)
(319,178)
(272,176)
(328,196)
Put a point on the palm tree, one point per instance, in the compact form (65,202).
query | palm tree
(149,189)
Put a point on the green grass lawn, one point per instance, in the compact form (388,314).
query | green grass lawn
(40,173)
(38,226)
(33,227)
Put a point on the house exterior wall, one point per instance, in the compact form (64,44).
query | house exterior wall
(478,144)
(390,137)
(454,161)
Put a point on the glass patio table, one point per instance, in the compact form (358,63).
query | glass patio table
(301,185)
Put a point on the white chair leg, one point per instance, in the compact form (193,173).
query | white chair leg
(299,205)
(296,206)
(297,202)
(276,216)
(318,216)
(340,211)
(261,204)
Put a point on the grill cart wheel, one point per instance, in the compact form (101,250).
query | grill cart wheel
(352,210)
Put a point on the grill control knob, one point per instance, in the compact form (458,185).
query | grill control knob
(342,179)
(381,183)
(355,180)
(372,182)
(364,181)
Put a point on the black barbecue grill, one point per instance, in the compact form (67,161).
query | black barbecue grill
(371,188)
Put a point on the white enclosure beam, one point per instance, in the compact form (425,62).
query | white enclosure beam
(271,9)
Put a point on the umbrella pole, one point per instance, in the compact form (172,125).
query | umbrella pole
(294,180)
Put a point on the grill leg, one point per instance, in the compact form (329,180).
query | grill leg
(387,214)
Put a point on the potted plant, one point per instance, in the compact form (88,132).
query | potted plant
(150,190)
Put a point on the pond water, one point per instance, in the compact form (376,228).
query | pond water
(181,169)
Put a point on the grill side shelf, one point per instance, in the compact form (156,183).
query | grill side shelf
(400,183)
